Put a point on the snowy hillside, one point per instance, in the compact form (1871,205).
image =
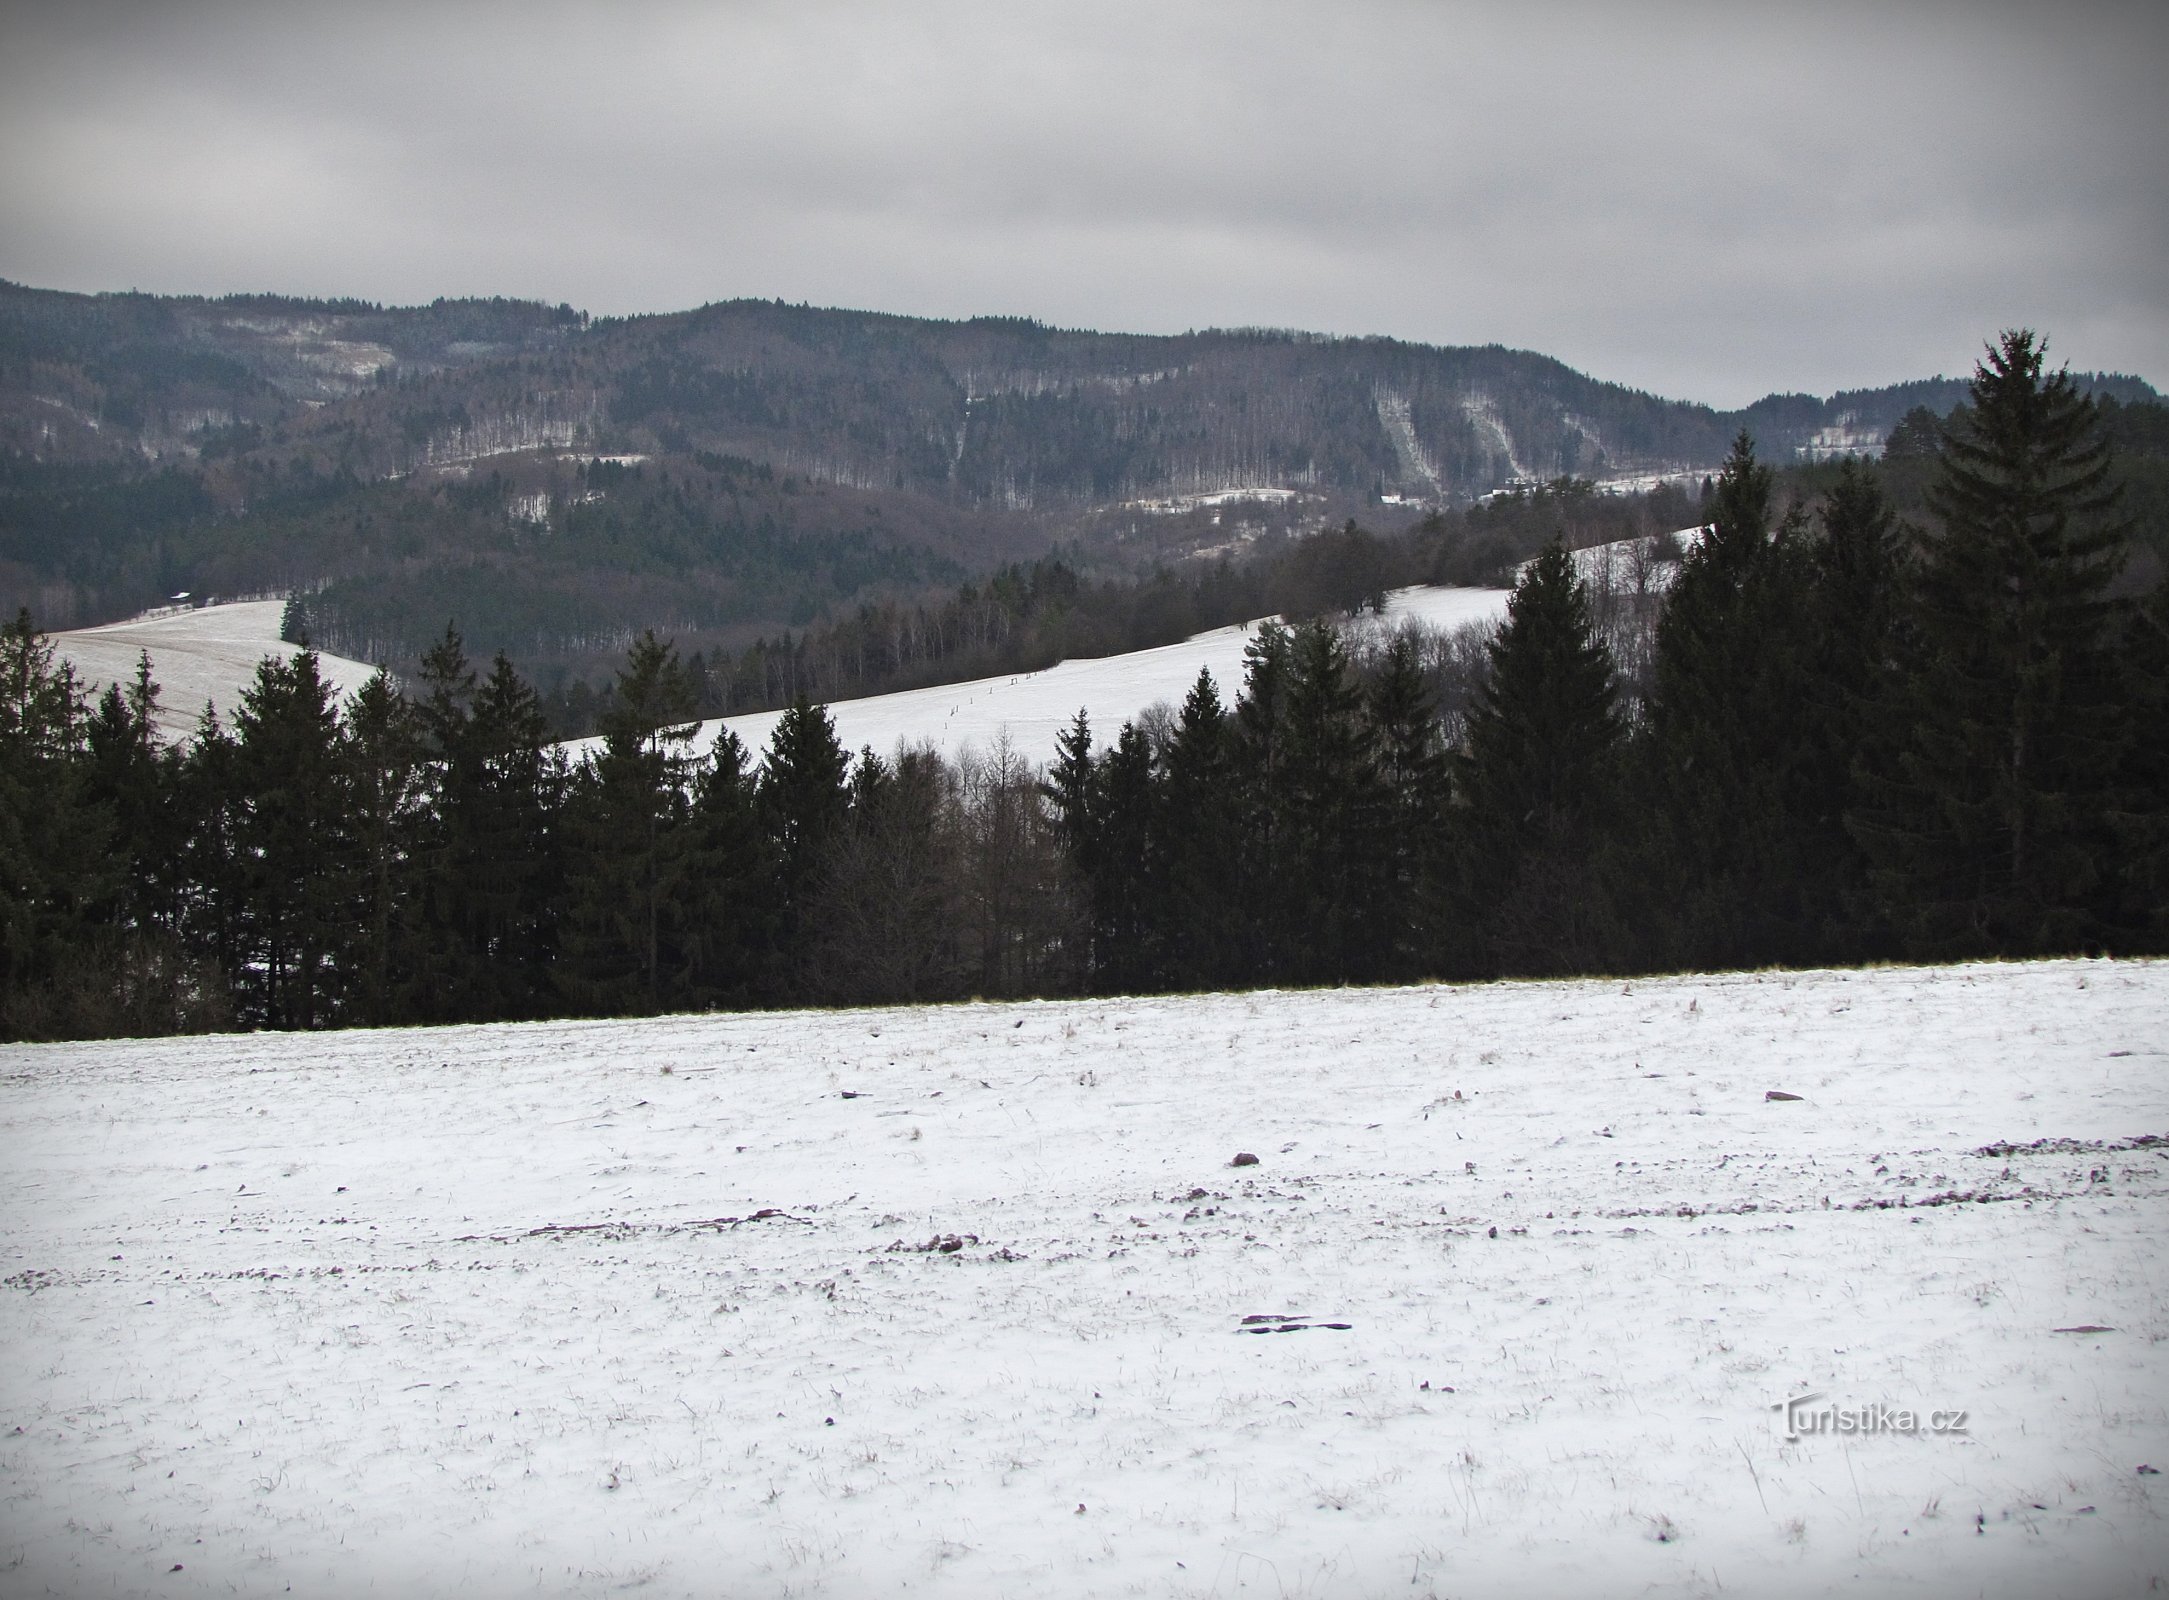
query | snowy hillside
(1033,708)
(1644,565)
(196,656)
(972,1302)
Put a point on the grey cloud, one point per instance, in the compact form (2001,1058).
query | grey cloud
(1709,201)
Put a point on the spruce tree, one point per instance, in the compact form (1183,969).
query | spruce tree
(1197,861)
(130,776)
(1409,755)
(511,859)
(1126,933)
(388,788)
(444,983)
(207,800)
(55,866)
(145,978)
(1265,918)
(2141,915)
(1331,819)
(1730,862)
(730,930)
(631,850)
(295,846)
(491,858)
(1995,831)
(447,681)
(803,803)
(1858,575)
(888,918)
(1070,790)
(1538,784)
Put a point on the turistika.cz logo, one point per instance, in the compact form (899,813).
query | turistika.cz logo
(1811,1416)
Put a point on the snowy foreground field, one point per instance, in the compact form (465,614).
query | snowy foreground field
(965,1301)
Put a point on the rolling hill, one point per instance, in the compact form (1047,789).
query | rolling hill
(556,482)
(202,656)
(210,654)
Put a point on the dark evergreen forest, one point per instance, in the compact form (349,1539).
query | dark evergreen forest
(1918,710)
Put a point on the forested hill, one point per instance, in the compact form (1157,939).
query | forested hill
(998,409)
(773,463)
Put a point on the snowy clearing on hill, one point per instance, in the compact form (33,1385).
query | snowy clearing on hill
(1032,708)
(983,1301)
(1647,564)
(209,654)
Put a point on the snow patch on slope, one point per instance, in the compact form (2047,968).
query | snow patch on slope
(1416,462)
(206,655)
(1846,435)
(1031,709)
(1644,565)
(1484,416)
(1209,499)
(546,427)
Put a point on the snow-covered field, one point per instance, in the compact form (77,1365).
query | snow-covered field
(209,654)
(964,1301)
(1033,708)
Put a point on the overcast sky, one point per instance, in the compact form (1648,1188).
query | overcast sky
(1708,201)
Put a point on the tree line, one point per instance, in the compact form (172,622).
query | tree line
(1857,738)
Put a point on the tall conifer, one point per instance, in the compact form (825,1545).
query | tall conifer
(1995,832)
(1126,932)
(731,925)
(1735,651)
(388,787)
(55,865)
(131,776)
(1331,818)
(296,846)
(1261,758)
(1071,789)
(1858,575)
(1538,784)
(1410,758)
(629,892)
(2141,915)
(1199,846)
(889,914)
(509,852)
(803,803)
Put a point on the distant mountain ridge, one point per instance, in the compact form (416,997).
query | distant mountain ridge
(995,409)
(557,481)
